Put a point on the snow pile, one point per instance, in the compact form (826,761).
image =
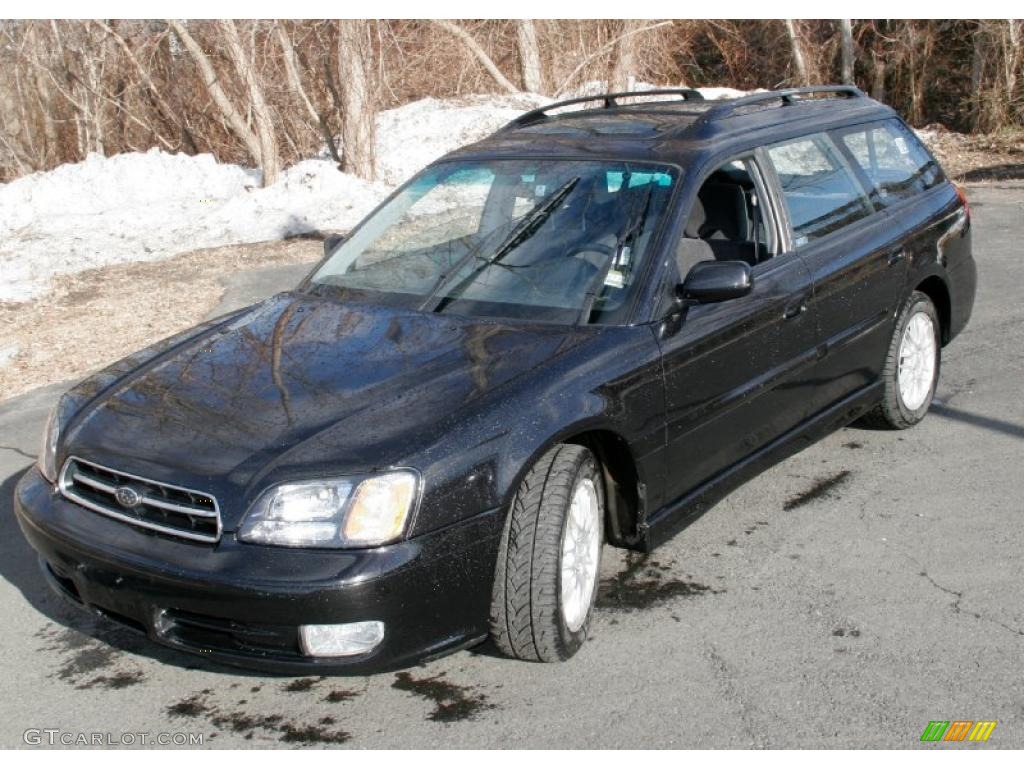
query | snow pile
(148,206)
(712,94)
(415,134)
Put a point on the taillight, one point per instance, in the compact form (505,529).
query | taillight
(963,201)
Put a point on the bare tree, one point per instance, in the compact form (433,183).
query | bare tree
(601,51)
(359,115)
(977,72)
(239,126)
(481,55)
(529,56)
(1011,57)
(624,58)
(245,67)
(797,48)
(846,35)
(169,114)
(292,69)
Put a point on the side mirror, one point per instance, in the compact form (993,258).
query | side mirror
(711,281)
(331,242)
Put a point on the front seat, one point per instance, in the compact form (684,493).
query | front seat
(719,217)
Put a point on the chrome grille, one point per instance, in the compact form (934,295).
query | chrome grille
(146,503)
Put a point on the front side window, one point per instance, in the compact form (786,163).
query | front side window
(820,190)
(550,240)
(893,159)
(730,217)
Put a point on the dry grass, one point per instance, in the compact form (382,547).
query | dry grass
(93,318)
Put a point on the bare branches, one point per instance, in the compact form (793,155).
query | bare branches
(268,93)
(211,81)
(477,50)
(268,160)
(292,69)
(589,59)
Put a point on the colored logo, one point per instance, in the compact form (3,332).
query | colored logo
(958,730)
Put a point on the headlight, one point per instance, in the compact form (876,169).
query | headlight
(48,451)
(333,513)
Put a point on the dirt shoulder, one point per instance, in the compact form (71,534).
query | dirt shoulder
(92,318)
(977,159)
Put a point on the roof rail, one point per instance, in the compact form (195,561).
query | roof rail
(610,100)
(788,97)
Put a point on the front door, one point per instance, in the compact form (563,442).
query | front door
(732,368)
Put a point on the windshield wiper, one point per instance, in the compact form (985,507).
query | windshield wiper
(526,228)
(630,235)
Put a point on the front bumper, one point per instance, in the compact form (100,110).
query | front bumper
(242,604)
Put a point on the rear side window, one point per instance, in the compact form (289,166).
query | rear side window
(819,188)
(893,159)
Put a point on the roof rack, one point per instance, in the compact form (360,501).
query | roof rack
(788,97)
(610,101)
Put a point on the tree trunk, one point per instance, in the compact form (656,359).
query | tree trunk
(270,160)
(846,33)
(529,56)
(624,68)
(977,71)
(799,60)
(878,66)
(358,119)
(1011,60)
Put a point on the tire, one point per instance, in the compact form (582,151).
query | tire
(532,617)
(903,406)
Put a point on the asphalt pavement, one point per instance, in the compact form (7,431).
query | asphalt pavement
(845,598)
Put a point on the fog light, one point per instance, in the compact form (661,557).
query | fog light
(341,639)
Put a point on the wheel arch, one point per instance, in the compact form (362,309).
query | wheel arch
(623,489)
(935,288)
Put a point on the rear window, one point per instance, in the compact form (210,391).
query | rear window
(893,159)
(819,188)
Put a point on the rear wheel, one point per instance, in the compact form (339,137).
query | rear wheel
(545,582)
(911,370)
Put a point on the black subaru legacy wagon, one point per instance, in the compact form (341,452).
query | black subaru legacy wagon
(584,329)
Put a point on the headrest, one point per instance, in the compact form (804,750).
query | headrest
(725,209)
(719,212)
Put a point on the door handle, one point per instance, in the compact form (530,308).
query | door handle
(896,257)
(795,309)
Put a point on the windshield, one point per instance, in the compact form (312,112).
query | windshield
(550,240)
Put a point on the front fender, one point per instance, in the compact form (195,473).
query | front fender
(613,384)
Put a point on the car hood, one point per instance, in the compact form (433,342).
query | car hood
(246,398)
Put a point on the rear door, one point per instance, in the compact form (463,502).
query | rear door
(857,266)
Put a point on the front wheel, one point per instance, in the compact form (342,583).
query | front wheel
(545,581)
(911,370)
